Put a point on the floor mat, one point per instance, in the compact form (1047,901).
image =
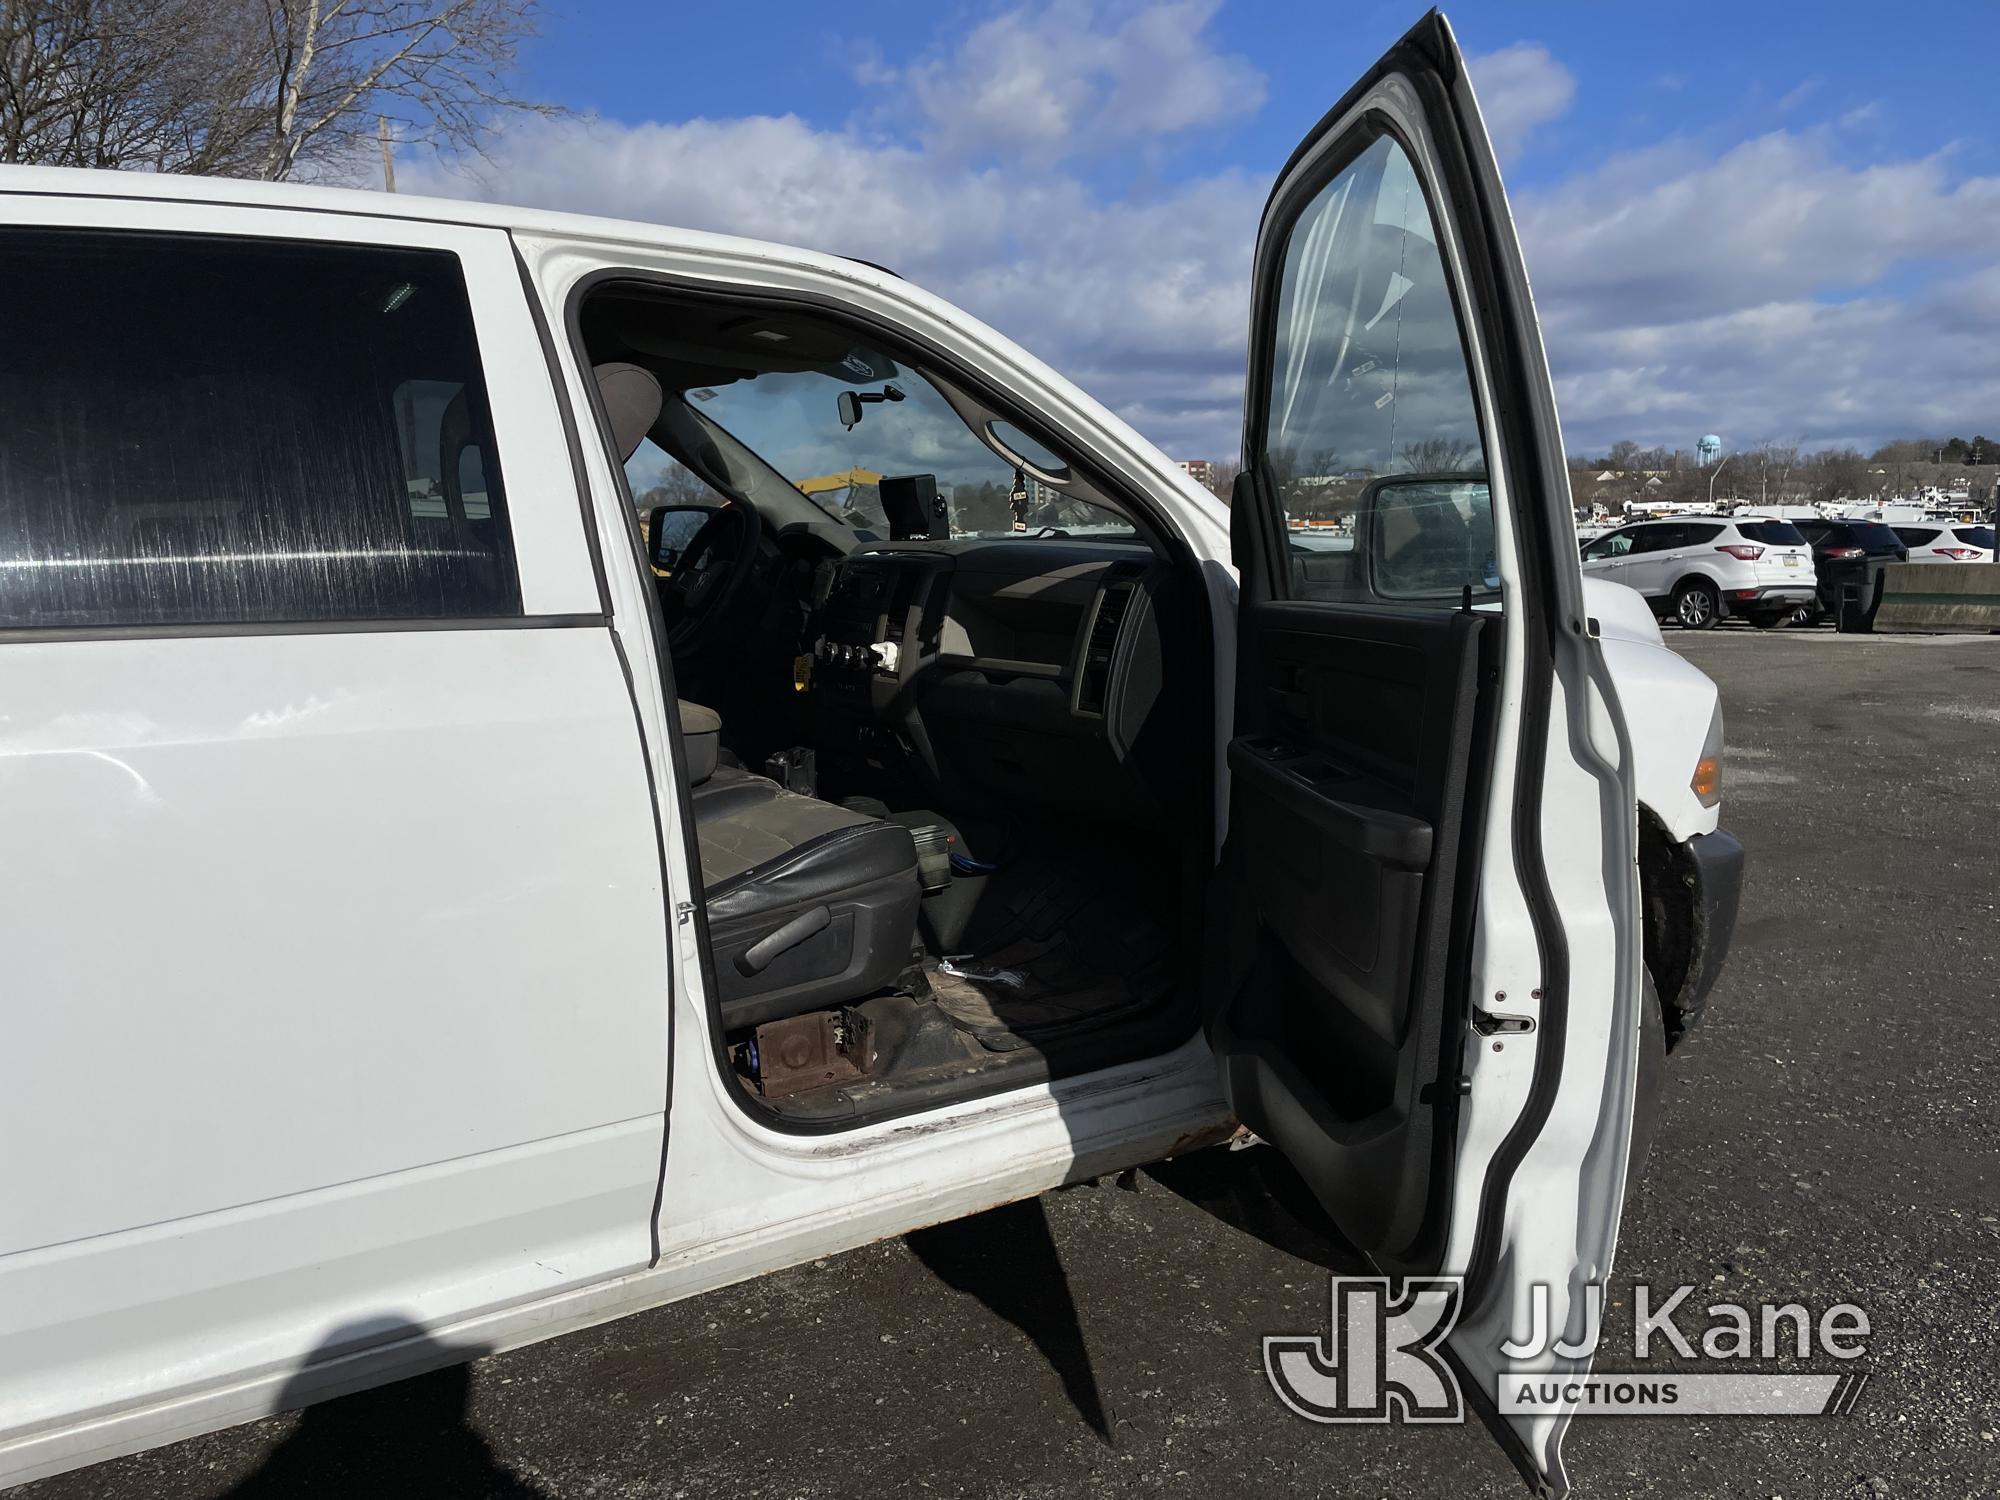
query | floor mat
(1062,953)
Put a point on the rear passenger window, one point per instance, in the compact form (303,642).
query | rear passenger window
(1658,538)
(1697,534)
(205,431)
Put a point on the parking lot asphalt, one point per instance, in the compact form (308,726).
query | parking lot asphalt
(1831,1134)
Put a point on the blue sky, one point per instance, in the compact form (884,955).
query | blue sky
(1775,222)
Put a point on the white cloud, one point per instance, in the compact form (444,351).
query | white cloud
(1756,293)
(1769,289)
(1141,300)
(1797,95)
(1833,374)
(1520,89)
(1066,79)
(1670,233)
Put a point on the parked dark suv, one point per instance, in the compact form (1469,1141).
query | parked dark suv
(1850,552)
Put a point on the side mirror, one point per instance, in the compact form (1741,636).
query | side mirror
(669,529)
(1427,536)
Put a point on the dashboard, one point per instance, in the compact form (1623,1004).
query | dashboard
(1028,673)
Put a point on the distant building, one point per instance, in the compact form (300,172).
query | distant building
(1200,470)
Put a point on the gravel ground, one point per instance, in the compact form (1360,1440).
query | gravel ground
(1831,1134)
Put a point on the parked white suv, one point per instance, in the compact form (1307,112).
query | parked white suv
(1946,542)
(1698,569)
(405,957)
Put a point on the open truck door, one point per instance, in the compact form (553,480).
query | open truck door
(1426,980)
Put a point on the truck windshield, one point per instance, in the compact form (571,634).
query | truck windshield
(791,419)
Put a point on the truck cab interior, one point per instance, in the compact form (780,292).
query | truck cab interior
(945,706)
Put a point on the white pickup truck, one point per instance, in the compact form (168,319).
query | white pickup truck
(451,898)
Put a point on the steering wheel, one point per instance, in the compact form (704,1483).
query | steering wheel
(709,575)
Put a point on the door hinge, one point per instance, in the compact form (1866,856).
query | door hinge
(683,913)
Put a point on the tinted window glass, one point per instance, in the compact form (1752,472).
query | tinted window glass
(211,431)
(1974,536)
(1614,544)
(1771,533)
(1658,538)
(1873,536)
(1702,533)
(1914,536)
(1370,422)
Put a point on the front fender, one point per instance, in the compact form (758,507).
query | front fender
(1668,704)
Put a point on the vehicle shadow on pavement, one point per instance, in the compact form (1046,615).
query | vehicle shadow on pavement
(1007,1258)
(1260,1194)
(414,1437)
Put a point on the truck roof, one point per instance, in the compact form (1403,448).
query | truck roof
(71,182)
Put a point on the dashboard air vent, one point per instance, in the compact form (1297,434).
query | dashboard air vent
(1094,682)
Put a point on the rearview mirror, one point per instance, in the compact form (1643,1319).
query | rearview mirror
(669,529)
(849,403)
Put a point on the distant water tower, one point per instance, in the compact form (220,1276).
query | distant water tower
(1706,450)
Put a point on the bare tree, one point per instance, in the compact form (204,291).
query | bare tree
(677,485)
(125,83)
(1222,474)
(255,88)
(1442,455)
(437,68)
(1837,474)
(1773,463)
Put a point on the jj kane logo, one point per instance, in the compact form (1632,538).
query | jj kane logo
(1382,1359)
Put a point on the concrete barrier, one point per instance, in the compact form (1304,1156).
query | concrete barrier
(1939,597)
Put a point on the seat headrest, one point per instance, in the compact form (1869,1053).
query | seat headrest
(632,402)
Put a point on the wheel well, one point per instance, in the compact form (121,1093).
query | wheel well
(1696,577)
(1666,902)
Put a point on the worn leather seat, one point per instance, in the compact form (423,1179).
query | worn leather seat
(809,905)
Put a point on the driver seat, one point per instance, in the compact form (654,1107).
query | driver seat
(809,905)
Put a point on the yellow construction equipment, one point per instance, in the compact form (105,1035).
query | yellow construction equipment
(847,480)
